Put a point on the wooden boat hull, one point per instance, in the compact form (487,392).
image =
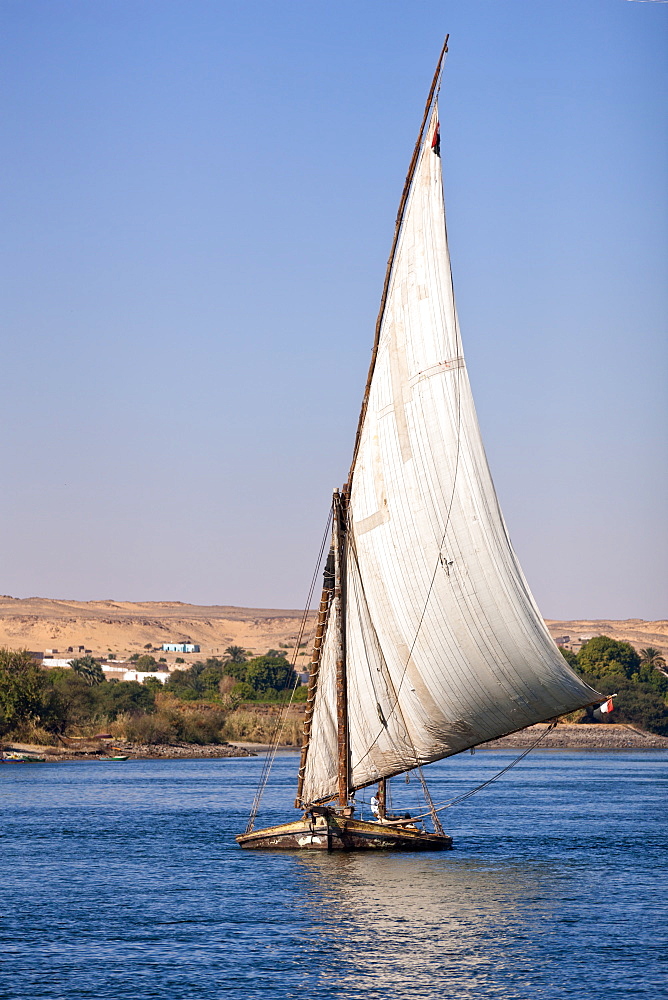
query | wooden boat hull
(338,833)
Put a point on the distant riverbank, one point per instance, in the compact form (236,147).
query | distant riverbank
(133,751)
(581,737)
(562,737)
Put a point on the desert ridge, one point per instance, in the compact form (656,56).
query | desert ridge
(125,627)
(636,631)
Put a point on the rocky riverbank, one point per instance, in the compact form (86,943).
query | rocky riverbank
(150,751)
(562,737)
(581,737)
(134,751)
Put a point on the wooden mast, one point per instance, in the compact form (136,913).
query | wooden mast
(382,798)
(314,669)
(340,654)
(390,262)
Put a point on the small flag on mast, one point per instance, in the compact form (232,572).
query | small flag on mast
(436,139)
(607,706)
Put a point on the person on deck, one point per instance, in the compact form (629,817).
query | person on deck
(375,806)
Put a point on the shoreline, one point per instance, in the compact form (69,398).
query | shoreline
(580,736)
(597,737)
(134,751)
(565,736)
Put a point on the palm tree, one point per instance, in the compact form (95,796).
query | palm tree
(88,668)
(652,657)
(237,654)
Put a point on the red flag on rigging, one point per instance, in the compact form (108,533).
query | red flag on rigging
(436,139)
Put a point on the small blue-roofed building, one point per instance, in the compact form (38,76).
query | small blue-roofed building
(180,647)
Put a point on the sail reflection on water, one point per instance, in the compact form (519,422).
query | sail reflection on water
(405,926)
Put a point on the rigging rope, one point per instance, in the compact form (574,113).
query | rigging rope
(285,706)
(472,791)
(433,811)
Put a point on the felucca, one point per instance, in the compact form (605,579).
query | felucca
(428,640)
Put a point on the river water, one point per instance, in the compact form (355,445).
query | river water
(123,881)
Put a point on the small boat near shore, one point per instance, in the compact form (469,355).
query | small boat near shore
(18,757)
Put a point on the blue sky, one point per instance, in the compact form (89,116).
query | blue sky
(198,203)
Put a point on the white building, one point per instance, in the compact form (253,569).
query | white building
(141,675)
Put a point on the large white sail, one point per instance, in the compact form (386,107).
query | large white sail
(445,647)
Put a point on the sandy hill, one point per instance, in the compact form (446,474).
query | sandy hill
(123,627)
(637,631)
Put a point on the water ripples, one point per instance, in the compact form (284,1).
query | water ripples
(127,883)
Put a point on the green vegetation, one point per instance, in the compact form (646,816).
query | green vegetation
(253,727)
(205,702)
(40,704)
(236,654)
(197,705)
(172,722)
(601,656)
(642,688)
(652,657)
(22,695)
(233,681)
(88,668)
(243,691)
(146,664)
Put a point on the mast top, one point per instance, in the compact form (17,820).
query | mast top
(435,85)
